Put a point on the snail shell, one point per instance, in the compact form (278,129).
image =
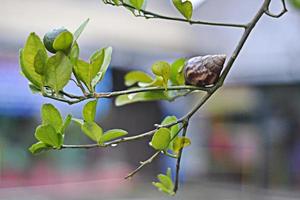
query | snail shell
(203,70)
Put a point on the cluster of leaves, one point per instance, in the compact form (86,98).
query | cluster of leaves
(185,7)
(165,183)
(50,75)
(50,134)
(165,75)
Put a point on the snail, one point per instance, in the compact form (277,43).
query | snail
(203,70)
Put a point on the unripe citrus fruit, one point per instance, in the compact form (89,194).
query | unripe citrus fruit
(51,36)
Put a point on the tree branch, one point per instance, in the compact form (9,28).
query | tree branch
(118,141)
(185,126)
(151,15)
(148,89)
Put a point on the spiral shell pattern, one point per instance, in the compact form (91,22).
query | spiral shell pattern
(203,70)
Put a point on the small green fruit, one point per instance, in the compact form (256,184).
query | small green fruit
(51,36)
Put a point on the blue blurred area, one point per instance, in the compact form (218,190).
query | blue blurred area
(18,101)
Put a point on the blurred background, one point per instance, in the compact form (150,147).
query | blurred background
(245,140)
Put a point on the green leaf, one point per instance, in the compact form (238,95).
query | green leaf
(162,69)
(48,135)
(185,8)
(74,53)
(51,116)
(79,30)
(112,134)
(158,82)
(161,139)
(162,188)
(166,181)
(89,111)
(180,142)
(91,74)
(134,77)
(66,123)
(39,147)
(138,4)
(177,75)
(105,58)
(63,41)
(83,71)
(40,60)
(27,57)
(58,71)
(92,130)
(141,97)
(117,2)
(174,129)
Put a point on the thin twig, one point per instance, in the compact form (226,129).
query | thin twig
(72,96)
(149,89)
(129,91)
(70,102)
(78,83)
(118,141)
(79,146)
(111,143)
(143,164)
(185,126)
(152,15)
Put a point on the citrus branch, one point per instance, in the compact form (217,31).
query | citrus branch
(149,89)
(151,15)
(124,92)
